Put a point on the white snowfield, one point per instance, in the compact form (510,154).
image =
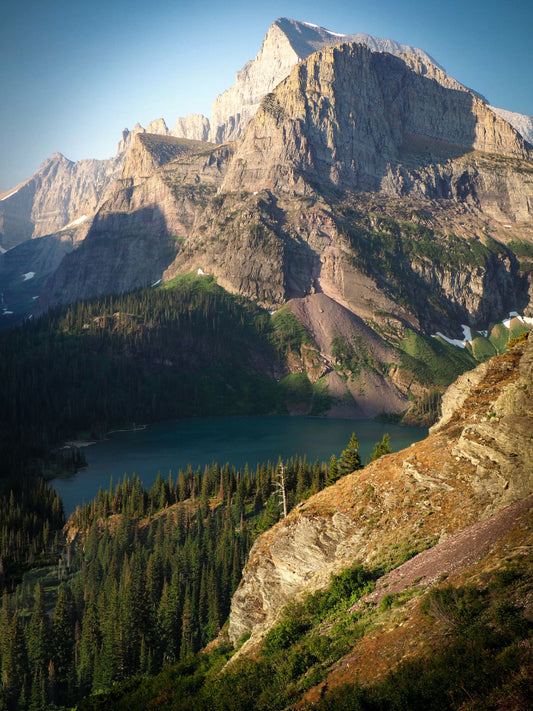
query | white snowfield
(28,275)
(317,27)
(75,222)
(467,331)
(14,192)
(520,122)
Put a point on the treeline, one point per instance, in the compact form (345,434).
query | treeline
(148,581)
(31,514)
(155,354)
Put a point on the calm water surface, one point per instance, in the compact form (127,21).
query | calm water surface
(170,446)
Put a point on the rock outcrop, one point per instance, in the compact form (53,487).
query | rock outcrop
(476,461)
(151,151)
(194,126)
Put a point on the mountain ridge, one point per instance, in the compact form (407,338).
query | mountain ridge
(469,468)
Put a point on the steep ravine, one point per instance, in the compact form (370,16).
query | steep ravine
(477,460)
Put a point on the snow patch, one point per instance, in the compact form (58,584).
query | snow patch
(200,272)
(520,122)
(334,34)
(34,297)
(526,320)
(5,312)
(2,250)
(14,192)
(28,275)
(317,27)
(467,333)
(75,222)
(451,341)
(156,282)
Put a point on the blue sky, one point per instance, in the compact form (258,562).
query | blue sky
(74,74)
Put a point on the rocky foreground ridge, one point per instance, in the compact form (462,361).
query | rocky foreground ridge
(477,460)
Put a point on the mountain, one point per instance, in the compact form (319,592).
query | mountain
(62,191)
(378,198)
(286,43)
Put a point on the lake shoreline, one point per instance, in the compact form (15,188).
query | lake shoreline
(170,446)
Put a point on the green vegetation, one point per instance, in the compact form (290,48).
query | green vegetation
(381,448)
(350,460)
(299,394)
(479,655)
(144,578)
(352,356)
(187,350)
(432,360)
(30,516)
(149,583)
(289,333)
(482,348)
(481,662)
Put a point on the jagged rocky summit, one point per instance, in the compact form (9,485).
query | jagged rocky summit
(366,189)
(62,191)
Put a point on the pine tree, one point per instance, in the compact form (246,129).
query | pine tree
(187,627)
(333,471)
(63,645)
(15,667)
(350,460)
(381,448)
(90,642)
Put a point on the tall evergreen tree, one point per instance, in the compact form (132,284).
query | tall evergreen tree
(350,460)
(333,473)
(63,645)
(381,448)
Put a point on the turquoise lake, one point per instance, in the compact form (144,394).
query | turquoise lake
(170,446)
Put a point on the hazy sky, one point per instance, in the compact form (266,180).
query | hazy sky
(73,74)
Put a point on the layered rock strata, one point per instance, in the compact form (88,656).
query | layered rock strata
(476,461)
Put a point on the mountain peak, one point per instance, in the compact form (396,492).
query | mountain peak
(306,38)
(286,43)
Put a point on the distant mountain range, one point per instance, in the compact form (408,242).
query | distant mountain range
(347,176)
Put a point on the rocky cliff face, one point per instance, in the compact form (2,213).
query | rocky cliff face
(194,127)
(137,232)
(285,44)
(476,461)
(348,118)
(150,151)
(60,192)
(523,124)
